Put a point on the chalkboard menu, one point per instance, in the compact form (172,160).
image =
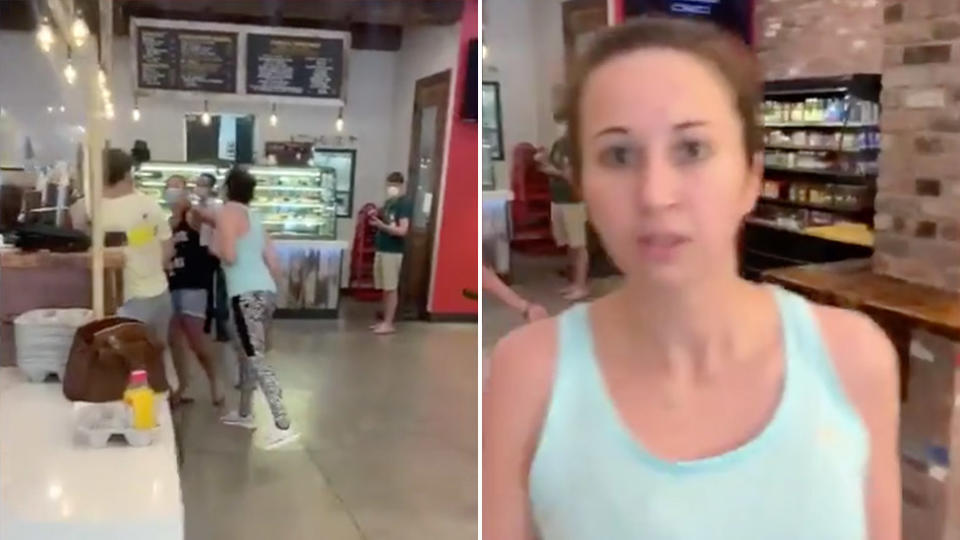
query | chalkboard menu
(294,66)
(734,15)
(191,60)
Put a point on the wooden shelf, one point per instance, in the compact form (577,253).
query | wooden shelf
(849,176)
(819,148)
(814,206)
(821,125)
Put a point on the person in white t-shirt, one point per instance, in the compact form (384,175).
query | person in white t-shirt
(148,251)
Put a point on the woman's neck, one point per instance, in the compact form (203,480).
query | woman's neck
(694,326)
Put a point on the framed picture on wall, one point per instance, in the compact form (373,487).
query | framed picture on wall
(492,121)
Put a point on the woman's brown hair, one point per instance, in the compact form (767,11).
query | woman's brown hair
(723,51)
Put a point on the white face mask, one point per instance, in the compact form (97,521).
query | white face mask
(392,191)
(173,195)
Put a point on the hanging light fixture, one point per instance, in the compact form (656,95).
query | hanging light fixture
(339,123)
(273,115)
(102,78)
(45,36)
(109,111)
(205,117)
(63,108)
(483,52)
(69,72)
(136,110)
(107,94)
(79,30)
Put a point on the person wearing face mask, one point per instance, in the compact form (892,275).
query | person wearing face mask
(392,223)
(568,214)
(190,279)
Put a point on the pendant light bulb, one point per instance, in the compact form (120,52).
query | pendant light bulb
(484,52)
(273,115)
(107,94)
(339,123)
(205,117)
(102,78)
(136,114)
(79,30)
(69,72)
(45,35)
(109,111)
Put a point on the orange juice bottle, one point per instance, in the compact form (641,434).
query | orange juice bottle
(140,398)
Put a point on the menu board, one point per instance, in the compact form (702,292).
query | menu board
(294,66)
(734,15)
(191,60)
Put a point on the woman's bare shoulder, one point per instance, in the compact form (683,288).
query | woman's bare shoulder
(864,359)
(527,352)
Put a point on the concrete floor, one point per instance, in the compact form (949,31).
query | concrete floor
(389,447)
(537,280)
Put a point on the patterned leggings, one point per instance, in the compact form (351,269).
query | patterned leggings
(252,313)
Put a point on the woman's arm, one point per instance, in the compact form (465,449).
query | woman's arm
(230,221)
(514,405)
(270,257)
(494,285)
(866,363)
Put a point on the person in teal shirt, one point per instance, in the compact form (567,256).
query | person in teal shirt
(689,403)
(392,223)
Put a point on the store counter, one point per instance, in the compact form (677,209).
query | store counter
(496,229)
(42,279)
(310,287)
(51,488)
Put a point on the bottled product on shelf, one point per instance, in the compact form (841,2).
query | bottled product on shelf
(139,397)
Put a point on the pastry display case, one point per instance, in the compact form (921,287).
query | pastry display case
(297,202)
(294,202)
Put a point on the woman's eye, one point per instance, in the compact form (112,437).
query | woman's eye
(691,151)
(616,156)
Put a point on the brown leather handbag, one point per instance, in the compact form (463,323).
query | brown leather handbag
(102,356)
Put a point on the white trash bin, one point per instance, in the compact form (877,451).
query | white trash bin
(44,338)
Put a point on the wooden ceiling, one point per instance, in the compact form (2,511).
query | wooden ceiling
(311,13)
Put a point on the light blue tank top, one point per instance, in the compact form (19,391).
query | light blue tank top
(802,477)
(249,271)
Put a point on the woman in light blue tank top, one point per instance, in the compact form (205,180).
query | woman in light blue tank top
(249,264)
(688,404)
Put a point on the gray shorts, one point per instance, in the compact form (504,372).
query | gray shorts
(155,312)
(192,302)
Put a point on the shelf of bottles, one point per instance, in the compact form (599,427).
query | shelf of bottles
(293,202)
(822,144)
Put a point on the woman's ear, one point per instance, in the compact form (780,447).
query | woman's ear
(753,181)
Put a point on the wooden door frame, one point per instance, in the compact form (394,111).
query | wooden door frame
(445,76)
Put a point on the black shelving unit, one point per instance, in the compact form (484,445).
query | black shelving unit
(767,243)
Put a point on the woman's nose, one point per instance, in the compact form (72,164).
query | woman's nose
(655,184)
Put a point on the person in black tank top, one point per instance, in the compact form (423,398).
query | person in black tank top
(190,280)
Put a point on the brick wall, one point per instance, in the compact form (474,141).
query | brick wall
(918,191)
(809,38)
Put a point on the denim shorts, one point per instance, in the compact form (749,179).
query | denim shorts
(192,302)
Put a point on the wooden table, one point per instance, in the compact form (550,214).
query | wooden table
(898,306)
(35,280)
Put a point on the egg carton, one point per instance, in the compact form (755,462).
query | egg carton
(96,423)
(43,339)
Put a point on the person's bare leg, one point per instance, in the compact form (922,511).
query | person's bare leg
(192,328)
(176,345)
(581,263)
(389,313)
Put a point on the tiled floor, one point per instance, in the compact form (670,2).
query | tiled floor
(389,448)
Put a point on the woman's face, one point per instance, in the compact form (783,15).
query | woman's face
(665,176)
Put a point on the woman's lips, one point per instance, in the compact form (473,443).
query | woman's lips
(661,247)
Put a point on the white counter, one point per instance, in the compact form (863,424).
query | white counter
(51,488)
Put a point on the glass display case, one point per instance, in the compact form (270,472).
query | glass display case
(294,202)
(297,202)
(344,163)
(151,176)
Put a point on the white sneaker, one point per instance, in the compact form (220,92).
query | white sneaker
(233,418)
(279,438)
